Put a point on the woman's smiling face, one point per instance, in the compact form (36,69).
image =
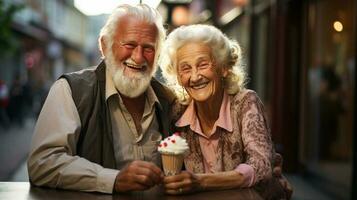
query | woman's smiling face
(198,73)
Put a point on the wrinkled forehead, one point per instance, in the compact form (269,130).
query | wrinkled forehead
(137,28)
(193,52)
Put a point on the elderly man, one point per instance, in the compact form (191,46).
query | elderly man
(109,117)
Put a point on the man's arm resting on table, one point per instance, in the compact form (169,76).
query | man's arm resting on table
(53,161)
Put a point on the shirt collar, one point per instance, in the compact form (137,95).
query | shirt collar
(110,89)
(152,98)
(224,120)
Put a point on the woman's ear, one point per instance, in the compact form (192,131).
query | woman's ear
(179,80)
(224,72)
(178,77)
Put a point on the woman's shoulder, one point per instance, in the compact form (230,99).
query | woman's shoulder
(245,95)
(246,101)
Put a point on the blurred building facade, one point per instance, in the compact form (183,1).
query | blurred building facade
(51,38)
(300,56)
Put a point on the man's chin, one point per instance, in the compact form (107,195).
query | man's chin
(131,87)
(129,82)
(134,77)
(132,92)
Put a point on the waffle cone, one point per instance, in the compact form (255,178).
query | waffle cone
(172,164)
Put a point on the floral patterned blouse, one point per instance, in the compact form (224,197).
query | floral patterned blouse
(248,143)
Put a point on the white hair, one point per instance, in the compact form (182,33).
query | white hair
(141,12)
(226,53)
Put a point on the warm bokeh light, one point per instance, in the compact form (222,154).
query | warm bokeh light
(97,7)
(338,26)
(180,15)
(240,3)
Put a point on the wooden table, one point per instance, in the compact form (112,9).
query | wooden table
(23,190)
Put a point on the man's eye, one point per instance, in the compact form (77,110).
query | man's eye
(129,46)
(149,49)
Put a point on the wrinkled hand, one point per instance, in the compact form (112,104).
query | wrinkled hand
(185,182)
(278,173)
(138,175)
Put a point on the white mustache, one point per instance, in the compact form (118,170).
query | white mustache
(133,63)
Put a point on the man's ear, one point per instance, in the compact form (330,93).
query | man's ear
(103,46)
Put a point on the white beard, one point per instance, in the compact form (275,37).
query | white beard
(128,86)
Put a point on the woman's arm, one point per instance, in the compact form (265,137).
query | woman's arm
(221,180)
(187,182)
(256,138)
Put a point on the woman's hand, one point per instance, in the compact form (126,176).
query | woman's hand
(278,173)
(185,182)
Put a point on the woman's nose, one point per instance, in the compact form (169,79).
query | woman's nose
(195,75)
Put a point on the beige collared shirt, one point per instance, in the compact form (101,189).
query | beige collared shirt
(53,161)
(129,144)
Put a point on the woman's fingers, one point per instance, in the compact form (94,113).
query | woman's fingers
(181,183)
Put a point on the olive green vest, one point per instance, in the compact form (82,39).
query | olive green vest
(95,142)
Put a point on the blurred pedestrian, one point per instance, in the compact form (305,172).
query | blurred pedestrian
(16,101)
(4,102)
(331,108)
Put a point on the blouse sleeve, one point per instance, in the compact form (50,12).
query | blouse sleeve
(256,136)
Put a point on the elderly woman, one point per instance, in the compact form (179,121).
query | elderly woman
(223,123)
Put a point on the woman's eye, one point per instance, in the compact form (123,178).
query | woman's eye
(185,68)
(203,65)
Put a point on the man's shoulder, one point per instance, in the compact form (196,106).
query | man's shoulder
(162,91)
(84,85)
(84,74)
(87,77)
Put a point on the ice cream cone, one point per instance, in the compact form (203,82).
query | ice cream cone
(173,150)
(171,163)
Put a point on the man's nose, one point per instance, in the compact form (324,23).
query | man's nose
(137,55)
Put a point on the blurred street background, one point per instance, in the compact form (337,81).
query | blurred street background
(300,56)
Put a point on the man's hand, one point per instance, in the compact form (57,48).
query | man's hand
(278,173)
(138,175)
